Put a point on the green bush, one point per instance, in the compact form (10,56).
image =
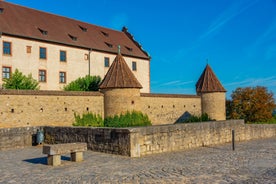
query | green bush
(197,119)
(89,119)
(129,119)
(124,120)
(19,81)
(87,83)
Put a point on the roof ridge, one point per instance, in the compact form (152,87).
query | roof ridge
(13,22)
(63,16)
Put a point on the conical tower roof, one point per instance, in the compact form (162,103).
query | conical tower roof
(208,82)
(119,76)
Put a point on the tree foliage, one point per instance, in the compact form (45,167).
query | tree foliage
(87,83)
(253,104)
(19,81)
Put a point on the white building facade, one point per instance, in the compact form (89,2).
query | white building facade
(60,51)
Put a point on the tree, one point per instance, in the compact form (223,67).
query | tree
(19,81)
(253,104)
(87,83)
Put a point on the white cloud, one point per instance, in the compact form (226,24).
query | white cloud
(173,83)
(170,83)
(267,82)
(267,36)
(233,11)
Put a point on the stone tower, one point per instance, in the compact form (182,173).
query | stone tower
(121,89)
(212,94)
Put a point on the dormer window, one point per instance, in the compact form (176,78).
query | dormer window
(109,44)
(1,10)
(129,49)
(84,29)
(104,33)
(74,38)
(44,32)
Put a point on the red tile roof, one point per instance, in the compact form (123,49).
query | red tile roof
(119,75)
(208,82)
(28,23)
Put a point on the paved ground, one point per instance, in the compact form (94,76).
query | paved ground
(252,162)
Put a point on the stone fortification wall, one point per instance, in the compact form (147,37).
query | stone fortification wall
(20,108)
(11,138)
(159,139)
(168,109)
(107,140)
(136,142)
(39,108)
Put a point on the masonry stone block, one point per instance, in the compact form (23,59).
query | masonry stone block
(77,156)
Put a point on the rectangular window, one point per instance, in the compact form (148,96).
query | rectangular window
(62,77)
(106,62)
(134,66)
(62,56)
(28,49)
(7,48)
(42,75)
(6,72)
(42,53)
(86,56)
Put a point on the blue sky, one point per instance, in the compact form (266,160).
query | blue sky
(237,38)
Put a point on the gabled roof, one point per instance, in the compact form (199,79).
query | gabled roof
(28,23)
(208,82)
(119,76)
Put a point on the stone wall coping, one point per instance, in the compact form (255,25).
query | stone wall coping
(98,128)
(182,126)
(20,129)
(158,128)
(49,92)
(168,95)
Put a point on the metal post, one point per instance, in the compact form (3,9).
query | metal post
(233,140)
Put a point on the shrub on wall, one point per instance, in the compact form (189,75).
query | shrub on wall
(197,119)
(128,119)
(89,119)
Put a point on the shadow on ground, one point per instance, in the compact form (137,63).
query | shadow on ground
(43,160)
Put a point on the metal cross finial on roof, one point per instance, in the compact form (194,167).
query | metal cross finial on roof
(207,61)
(119,49)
